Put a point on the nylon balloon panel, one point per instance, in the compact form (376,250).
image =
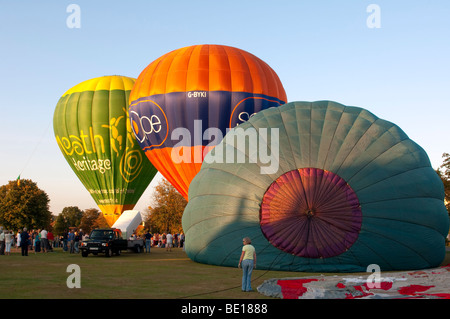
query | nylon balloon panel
(350,190)
(184,102)
(93,131)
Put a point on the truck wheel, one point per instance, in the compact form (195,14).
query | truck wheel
(137,248)
(84,253)
(109,252)
(118,253)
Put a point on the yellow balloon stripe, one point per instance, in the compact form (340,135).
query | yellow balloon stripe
(108,83)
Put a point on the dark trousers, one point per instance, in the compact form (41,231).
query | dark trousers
(24,249)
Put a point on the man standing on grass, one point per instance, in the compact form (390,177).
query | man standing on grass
(44,241)
(2,242)
(24,241)
(169,239)
(148,241)
(70,240)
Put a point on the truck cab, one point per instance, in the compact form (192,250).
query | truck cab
(104,240)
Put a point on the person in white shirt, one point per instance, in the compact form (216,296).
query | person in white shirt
(247,262)
(169,239)
(44,241)
(9,236)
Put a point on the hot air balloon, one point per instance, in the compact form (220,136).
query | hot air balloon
(341,190)
(93,131)
(183,103)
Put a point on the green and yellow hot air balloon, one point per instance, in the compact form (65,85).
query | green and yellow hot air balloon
(92,129)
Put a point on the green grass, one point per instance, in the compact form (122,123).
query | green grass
(158,275)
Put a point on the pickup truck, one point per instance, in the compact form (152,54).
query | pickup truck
(108,241)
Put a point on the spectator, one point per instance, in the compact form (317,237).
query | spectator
(9,238)
(2,242)
(37,241)
(247,263)
(24,241)
(18,239)
(76,240)
(65,237)
(50,241)
(148,241)
(44,241)
(71,241)
(169,239)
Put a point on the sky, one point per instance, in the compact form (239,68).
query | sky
(391,59)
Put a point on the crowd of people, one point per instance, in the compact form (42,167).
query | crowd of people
(165,240)
(42,240)
(37,240)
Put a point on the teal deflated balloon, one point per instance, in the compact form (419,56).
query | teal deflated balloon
(324,188)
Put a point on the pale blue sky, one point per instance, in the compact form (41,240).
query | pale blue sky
(320,50)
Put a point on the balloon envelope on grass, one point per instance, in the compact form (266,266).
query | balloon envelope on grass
(184,101)
(93,131)
(349,190)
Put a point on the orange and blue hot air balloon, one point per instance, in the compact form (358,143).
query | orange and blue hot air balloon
(183,103)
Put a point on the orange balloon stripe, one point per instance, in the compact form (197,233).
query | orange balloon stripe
(179,175)
(208,68)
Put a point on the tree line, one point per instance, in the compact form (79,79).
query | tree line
(23,204)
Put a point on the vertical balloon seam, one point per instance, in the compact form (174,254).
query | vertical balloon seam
(245,62)
(111,183)
(338,127)
(98,182)
(130,173)
(77,98)
(342,108)
(94,109)
(103,184)
(123,163)
(373,124)
(386,151)
(283,117)
(184,169)
(172,62)
(346,111)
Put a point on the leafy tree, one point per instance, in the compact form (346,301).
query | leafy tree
(92,218)
(23,204)
(444,173)
(69,217)
(165,214)
(100,222)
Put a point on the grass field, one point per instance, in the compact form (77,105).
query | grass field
(158,275)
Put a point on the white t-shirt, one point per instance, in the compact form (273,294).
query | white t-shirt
(43,234)
(169,238)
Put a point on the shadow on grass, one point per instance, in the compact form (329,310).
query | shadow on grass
(157,275)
